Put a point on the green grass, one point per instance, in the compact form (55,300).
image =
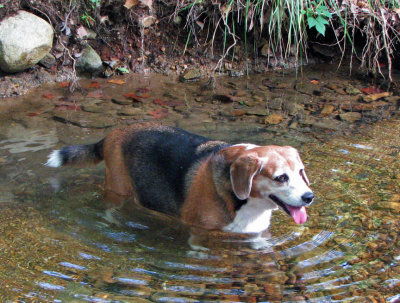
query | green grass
(289,25)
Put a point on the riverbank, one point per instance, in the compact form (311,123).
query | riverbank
(171,39)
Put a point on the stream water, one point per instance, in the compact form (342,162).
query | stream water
(60,242)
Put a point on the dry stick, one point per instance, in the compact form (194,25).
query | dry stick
(219,63)
(74,81)
(387,47)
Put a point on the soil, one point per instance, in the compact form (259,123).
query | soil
(166,47)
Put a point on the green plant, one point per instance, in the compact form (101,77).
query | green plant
(317,16)
(89,20)
(95,3)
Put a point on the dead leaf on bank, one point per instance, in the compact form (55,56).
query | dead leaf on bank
(116,81)
(129,3)
(48,96)
(134,97)
(94,84)
(63,84)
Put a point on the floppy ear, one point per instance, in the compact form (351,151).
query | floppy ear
(242,172)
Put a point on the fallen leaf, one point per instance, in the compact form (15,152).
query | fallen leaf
(129,3)
(94,84)
(48,96)
(133,96)
(63,84)
(314,81)
(158,113)
(116,81)
(372,90)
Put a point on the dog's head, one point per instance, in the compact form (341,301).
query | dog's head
(273,174)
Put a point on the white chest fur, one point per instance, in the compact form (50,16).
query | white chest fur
(253,217)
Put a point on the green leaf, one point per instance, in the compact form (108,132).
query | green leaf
(123,70)
(322,20)
(311,22)
(320,28)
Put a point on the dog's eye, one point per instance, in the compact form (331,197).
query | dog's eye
(282,178)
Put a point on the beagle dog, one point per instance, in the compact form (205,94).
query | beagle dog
(211,184)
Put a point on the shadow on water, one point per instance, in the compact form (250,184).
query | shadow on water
(61,243)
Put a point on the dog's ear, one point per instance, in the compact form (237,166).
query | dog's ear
(243,170)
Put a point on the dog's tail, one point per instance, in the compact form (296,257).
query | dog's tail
(76,155)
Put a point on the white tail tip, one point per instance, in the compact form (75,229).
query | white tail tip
(54,159)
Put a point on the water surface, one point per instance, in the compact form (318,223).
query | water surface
(62,243)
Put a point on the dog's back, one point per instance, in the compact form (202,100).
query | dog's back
(152,161)
(159,160)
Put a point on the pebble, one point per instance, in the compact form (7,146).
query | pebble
(83,119)
(130,111)
(327,110)
(273,119)
(350,117)
(190,75)
(122,102)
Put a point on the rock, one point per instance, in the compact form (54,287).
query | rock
(327,110)
(393,99)
(147,21)
(235,73)
(323,123)
(266,51)
(361,107)
(190,75)
(256,111)
(122,102)
(273,119)
(350,117)
(83,119)
(351,90)
(24,40)
(275,103)
(90,62)
(292,108)
(130,111)
(374,97)
(305,88)
(48,61)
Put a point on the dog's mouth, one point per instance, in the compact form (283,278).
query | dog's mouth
(299,214)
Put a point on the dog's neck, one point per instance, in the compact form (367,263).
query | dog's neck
(253,217)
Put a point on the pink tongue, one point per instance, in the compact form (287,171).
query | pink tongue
(299,214)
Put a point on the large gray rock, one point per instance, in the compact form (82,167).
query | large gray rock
(89,62)
(24,40)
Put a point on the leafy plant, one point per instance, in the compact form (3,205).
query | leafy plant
(317,16)
(89,20)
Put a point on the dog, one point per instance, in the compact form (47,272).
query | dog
(209,184)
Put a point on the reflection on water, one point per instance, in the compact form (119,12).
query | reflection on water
(61,243)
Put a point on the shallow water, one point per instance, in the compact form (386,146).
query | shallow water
(62,243)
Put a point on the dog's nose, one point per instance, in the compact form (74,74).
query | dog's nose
(308,197)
